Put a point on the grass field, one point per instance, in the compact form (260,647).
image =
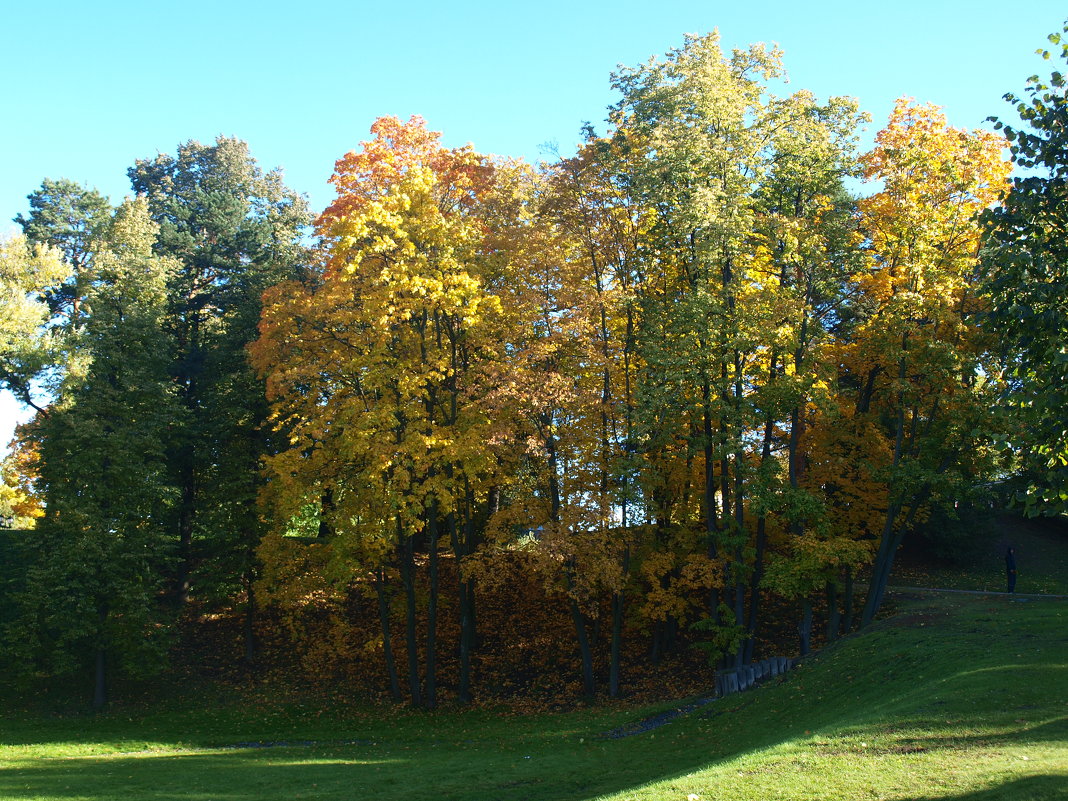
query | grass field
(953,698)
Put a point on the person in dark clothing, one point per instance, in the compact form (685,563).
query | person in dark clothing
(1010,568)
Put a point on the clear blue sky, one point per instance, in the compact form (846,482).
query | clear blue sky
(92,86)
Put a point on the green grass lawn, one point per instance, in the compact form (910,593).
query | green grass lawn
(954,698)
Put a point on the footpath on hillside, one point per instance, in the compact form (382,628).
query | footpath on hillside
(1021,595)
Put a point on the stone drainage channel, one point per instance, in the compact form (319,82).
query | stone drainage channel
(728,682)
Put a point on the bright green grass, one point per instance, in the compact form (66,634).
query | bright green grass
(965,698)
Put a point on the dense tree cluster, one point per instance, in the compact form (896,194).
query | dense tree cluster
(682,369)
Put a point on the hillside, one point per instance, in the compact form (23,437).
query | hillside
(958,698)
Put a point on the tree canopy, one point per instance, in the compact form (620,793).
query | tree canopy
(676,387)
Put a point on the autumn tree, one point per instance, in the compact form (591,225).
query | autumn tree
(916,363)
(29,344)
(599,229)
(750,237)
(808,244)
(383,363)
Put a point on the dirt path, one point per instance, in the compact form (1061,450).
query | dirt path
(1021,595)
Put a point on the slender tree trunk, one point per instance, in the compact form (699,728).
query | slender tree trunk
(432,608)
(804,628)
(186,515)
(585,652)
(326,514)
(250,612)
(459,547)
(100,688)
(466,640)
(888,542)
(711,522)
(617,630)
(847,621)
(411,641)
(671,632)
(834,618)
(754,589)
(387,641)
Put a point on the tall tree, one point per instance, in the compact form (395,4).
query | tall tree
(600,231)
(234,230)
(91,599)
(1027,283)
(703,120)
(67,216)
(382,365)
(916,362)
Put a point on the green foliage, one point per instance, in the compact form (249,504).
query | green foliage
(68,217)
(99,552)
(233,231)
(724,635)
(1027,283)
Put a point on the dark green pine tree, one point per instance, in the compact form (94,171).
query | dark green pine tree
(92,598)
(234,231)
(69,217)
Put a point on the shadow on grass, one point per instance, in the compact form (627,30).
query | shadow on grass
(976,695)
(1029,788)
(571,768)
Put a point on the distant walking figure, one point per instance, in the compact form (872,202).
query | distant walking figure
(1010,568)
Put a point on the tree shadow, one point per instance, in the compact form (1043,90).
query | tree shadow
(1046,787)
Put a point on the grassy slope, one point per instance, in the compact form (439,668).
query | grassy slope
(958,698)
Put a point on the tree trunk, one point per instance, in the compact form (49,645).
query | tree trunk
(711,523)
(833,616)
(186,513)
(432,609)
(327,508)
(250,614)
(888,541)
(585,653)
(466,640)
(100,688)
(387,642)
(847,622)
(804,628)
(411,641)
(617,638)
(617,623)
(100,695)
(754,590)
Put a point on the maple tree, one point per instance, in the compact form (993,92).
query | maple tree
(387,376)
(916,360)
(29,345)
(806,234)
